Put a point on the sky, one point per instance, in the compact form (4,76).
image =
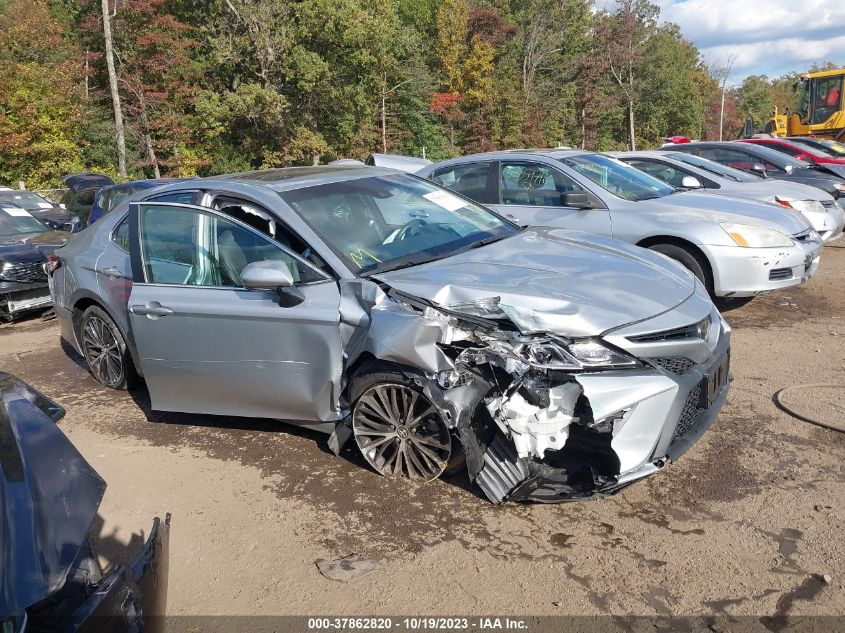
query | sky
(765,37)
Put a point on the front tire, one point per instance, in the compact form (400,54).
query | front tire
(105,349)
(397,428)
(693,262)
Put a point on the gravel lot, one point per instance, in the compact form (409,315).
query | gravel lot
(747,523)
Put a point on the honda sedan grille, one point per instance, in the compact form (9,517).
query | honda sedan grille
(779,274)
(23,272)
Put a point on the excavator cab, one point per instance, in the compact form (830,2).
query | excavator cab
(820,111)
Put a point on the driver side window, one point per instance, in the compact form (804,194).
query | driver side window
(189,247)
(534,184)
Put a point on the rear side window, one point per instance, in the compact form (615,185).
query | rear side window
(120,234)
(470,180)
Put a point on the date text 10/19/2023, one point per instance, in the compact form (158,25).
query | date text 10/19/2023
(416,623)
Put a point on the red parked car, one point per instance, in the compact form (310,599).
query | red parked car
(797,149)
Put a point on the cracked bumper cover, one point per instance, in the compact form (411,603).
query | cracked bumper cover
(667,414)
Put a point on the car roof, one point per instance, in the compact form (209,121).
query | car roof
(650,153)
(144,184)
(527,154)
(289,178)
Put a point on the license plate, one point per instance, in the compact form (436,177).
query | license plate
(714,382)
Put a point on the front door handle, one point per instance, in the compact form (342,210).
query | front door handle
(112,271)
(152,310)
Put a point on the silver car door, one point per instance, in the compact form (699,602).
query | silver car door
(208,345)
(536,195)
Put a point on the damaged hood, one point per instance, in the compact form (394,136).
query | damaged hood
(567,283)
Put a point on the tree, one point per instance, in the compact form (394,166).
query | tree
(756,98)
(41,104)
(120,132)
(622,36)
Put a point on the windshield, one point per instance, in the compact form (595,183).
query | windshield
(815,148)
(715,168)
(837,148)
(385,222)
(17,221)
(622,180)
(25,200)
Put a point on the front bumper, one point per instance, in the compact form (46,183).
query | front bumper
(628,424)
(746,272)
(17,298)
(668,415)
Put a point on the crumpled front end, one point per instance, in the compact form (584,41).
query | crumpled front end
(544,417)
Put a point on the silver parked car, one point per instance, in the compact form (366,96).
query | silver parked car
(688,171)
(737,248)
(369,303)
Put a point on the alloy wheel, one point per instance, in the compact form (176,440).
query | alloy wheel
(102,351)
(400,432)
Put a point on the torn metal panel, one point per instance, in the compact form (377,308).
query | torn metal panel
(390,330)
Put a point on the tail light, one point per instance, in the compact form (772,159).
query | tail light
(784,203)
(53,263)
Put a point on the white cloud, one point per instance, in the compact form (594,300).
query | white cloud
(769,37)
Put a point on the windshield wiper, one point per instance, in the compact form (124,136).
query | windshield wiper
(404,262)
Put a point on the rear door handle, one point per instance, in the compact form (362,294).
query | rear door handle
(112,271)
(152,310)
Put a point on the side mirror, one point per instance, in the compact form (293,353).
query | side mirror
(759,169)
(576,200)
(691,182)
(266,275)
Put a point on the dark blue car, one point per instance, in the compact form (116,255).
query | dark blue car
(109,197)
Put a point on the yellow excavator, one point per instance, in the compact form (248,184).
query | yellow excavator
(821,108)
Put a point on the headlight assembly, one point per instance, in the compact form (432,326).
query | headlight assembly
(839,186)
(749,236)
(578,355)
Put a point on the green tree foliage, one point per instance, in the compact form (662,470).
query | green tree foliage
(756,98)
(212,86)
(41,101)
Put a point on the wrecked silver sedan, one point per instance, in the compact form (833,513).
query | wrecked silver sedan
(377,306)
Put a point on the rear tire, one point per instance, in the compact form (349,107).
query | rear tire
(105,350)
(689,260)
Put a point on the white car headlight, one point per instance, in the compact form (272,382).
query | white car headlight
(840,186)
(749,236)
(550,354)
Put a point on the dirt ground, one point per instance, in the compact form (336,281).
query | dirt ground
(748,522)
